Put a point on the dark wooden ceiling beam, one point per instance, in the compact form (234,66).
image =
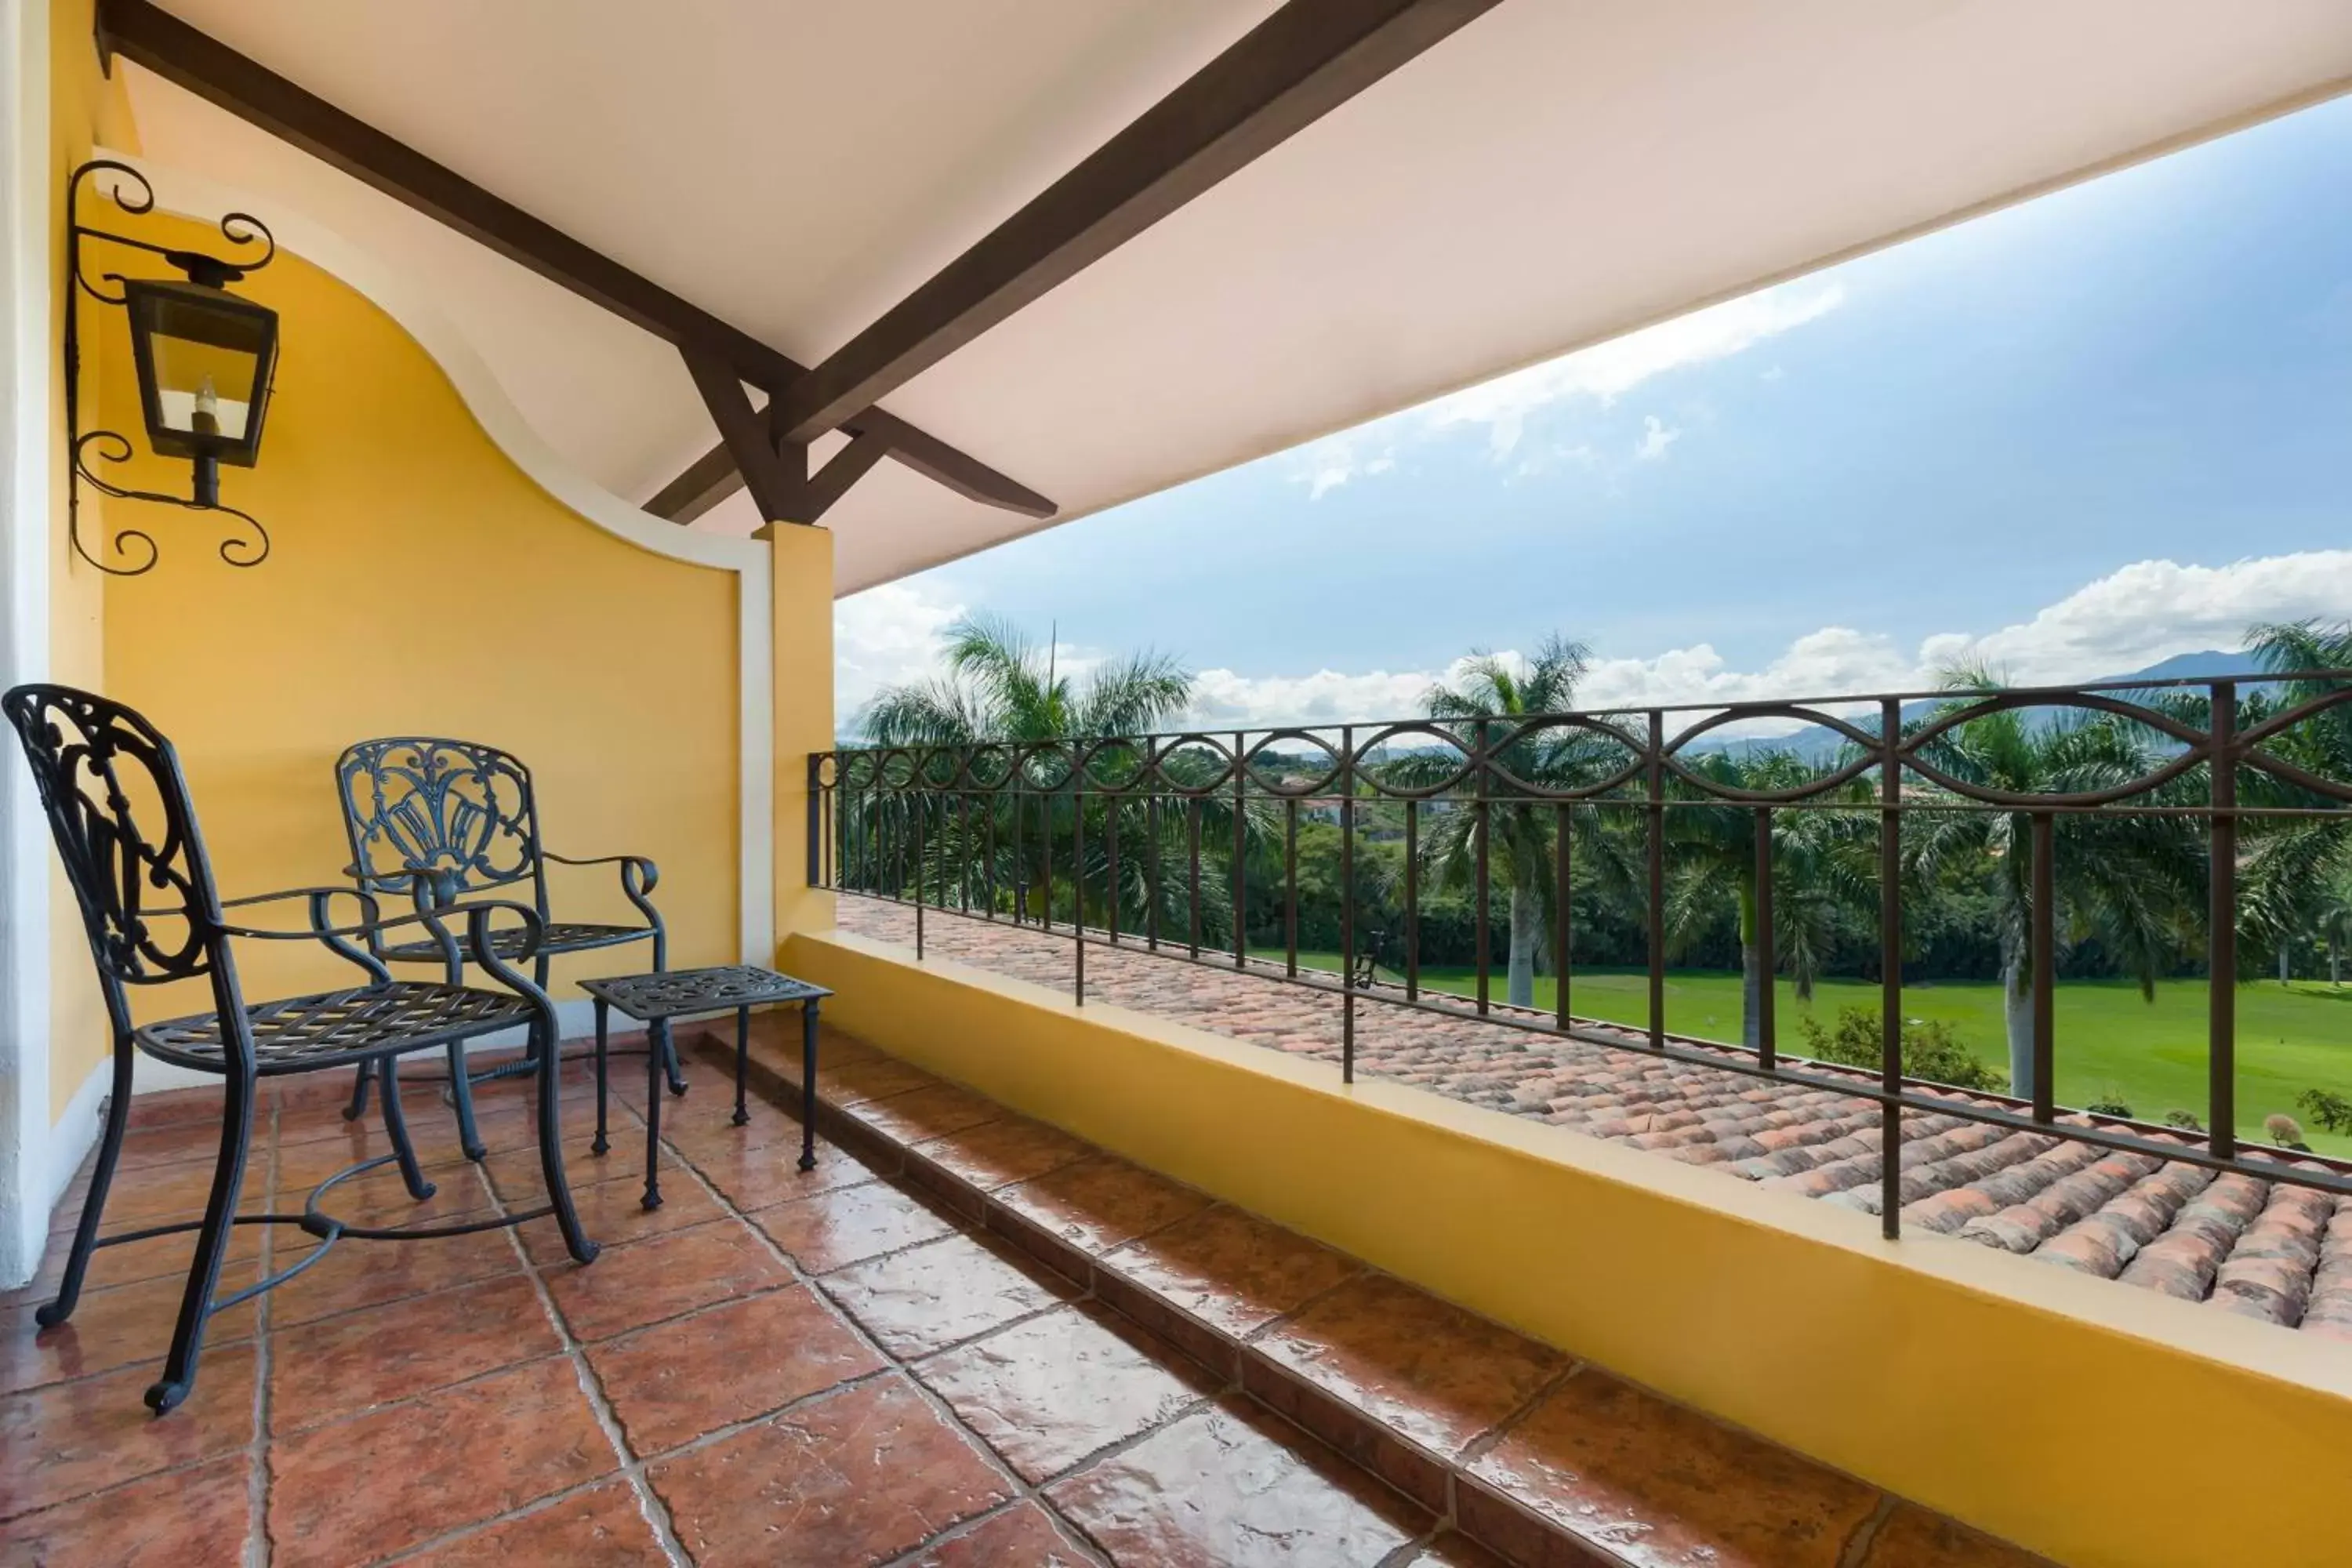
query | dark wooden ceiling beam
(777,474)
(1290,70)
(196,62)
(707,481)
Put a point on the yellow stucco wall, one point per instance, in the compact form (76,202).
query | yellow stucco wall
(85,110)
(803,563)
(2106,1427)
(420,582)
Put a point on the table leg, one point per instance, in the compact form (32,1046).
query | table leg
(743,1061)
(656,1048)
(602,1144)
(808,1084)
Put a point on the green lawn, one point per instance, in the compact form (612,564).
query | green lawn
(2111,1045)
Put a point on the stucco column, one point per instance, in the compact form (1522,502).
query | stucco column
(803,562)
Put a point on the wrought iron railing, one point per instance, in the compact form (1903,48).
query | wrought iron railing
(1169,835)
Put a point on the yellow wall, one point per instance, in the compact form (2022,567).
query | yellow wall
(803,563)
(2099,1425)
(85,108)
(420,582)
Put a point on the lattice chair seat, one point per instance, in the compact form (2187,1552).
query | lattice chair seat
(300,1033)
(512,942)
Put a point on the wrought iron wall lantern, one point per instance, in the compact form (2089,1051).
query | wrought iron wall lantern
(205,360)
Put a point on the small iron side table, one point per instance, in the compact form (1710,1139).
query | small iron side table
(655,1000)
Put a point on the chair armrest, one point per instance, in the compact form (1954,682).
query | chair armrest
(322,929)
(639,876)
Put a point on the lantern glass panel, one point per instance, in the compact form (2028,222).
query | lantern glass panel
(204,358)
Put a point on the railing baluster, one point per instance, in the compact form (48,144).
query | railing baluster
(1562,917)
(1767,1045)
(1346,905)
(1045,859)
(1411,900)
(2043,957)
(1657,919)
(2222,927)
(1151,832)
(1078,877)
(1890,966)
(918,873)
(1240,872)
(1192,872)
(1290,887)
(1020,861)
(1480,825)
(815,867)
(1111,855)
(988,856)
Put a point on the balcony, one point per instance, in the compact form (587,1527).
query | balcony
(1155,1220)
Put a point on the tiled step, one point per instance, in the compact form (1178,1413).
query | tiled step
(1543,1459)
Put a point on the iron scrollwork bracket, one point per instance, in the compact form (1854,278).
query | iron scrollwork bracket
(240,230)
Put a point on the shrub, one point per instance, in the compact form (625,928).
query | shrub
(2285,1132)
(2109,1107)
(2332,1112)
(2184,1119)
(1930,1050)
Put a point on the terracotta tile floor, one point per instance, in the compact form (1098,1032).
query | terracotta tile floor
(956,1341)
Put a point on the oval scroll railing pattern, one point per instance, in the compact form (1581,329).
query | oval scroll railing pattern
(1169,833)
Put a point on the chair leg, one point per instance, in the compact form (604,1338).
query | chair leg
(110,1150)
(358,1107)
(396,1127)
(551,1140)
(670,1063)
(461,1094)
(212,1249)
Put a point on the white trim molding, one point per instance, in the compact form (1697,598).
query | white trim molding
(409,304)
(30,1147)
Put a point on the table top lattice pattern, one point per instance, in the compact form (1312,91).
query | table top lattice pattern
(677,992)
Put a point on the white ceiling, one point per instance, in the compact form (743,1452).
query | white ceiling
(1552,174)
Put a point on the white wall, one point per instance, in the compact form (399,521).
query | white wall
(29,1159)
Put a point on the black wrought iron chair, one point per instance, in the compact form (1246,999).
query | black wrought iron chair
(439,820)
(119,808)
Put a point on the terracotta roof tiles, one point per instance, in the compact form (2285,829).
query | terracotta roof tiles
(2279,1253)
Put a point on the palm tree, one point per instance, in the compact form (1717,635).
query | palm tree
(1483,706)
(1000,686)
(2132,880)
(1820,863)
(1001,689)
(2334,920)
(2297,878)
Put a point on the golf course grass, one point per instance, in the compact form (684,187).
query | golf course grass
(2112,1045)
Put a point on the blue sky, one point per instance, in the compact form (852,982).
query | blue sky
(2068,440)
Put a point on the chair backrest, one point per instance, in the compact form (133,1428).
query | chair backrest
(118,807)
(460,813)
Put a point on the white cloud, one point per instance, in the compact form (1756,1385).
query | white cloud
(1656,436)
(885,637)
(2152,610)
(1222,697)
(1605,372)
(2127,620)
(1602,372)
